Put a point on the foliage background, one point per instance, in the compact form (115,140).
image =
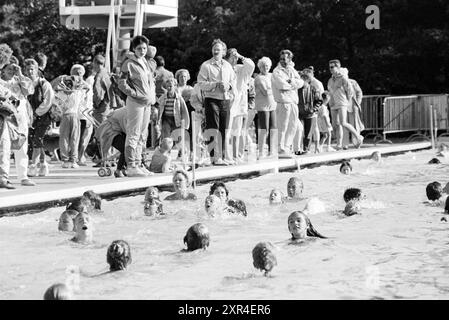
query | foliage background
(407,55)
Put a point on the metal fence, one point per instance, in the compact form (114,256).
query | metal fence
(384,115)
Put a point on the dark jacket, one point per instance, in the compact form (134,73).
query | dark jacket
(309,101)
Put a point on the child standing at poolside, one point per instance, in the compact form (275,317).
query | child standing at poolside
(161,159)
(324,123)
(71,93)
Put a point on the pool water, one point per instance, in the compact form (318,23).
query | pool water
(398,248)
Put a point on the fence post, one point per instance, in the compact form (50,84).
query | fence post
(431,127)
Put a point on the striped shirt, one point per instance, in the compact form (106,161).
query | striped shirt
(169,105)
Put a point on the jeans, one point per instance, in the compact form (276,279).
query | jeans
(69,137)
(217,118)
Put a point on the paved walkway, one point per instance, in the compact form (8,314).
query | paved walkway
(64,184)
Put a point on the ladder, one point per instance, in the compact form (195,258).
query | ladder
(122,22)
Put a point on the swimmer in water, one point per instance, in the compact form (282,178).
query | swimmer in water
(197,237)
(232,206)
(119,255)
(434,161)
(153,204)
(181,184)
(264,258)
(83,228)
(300,227)
(353,194)
(58,291)
(376,156)
(346,168)
(352,207)
(295,187)
(276,196)
(213,205)
(94,199)
(434,191)
(66,220)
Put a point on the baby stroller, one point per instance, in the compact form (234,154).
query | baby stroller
(105,164)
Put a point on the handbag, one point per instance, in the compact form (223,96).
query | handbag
(17,138)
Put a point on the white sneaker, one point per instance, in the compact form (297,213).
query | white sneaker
(66,165)
(74,165)
(146,171)
(135,172)
(32,170)
(219,162)
(44,170)
(28,182)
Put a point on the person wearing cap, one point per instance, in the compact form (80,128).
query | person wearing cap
(285,83)
(341,94)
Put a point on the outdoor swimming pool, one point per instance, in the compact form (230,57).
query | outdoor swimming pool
(398,247)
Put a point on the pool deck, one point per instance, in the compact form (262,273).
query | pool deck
(65,184)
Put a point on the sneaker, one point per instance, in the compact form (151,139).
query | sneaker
(345,147)
(74,165)
(229,162)
(135,172)
(28,182)
(359,144)
(82,164)
(118,174)
(145,170)
(97,165)
(66,165)
(32,171)
(330,149)
(219,162)
(6,184)
(43,170)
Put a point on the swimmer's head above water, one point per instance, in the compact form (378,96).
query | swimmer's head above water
(295,187)
(83,228)
(197,237)
(276,196)
(263,257)
(94,199)
(58,291)
(346,168)
(434,191)
(300,226)
(66,220)
(119,255)
(353,194)
(151,194)
(376,156)
(213,205)
(434,161)
(220,190)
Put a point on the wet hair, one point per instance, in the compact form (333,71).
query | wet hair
(79,204)
(345,164)
(263,257)
(58,291)
(375,153)
(147,193)
(311,231)
(352,194)
(352,208)
(239,205)
(179,72)
(118,255)
(434,191)
(160,61)
(216,185)
(68,214)
(295,179)
(94,199)
(197,237)
(137,40)
(184,173)
(434,161)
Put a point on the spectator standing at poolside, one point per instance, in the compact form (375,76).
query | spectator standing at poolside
(86,126)
(265,107)
(239,108)
(161,75)
(309,102)
(41,60)
(285,83)
(137,82)
(314,82)
(40,101)
(182,76)
(354,110)
(101,89)
(20,86)
(217,80)
(341,94)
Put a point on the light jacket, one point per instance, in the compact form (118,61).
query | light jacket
(137,82)
(243,76)
(358,95)
(179,109)
(212,72)
(101,98)
(340,91)
(285,83)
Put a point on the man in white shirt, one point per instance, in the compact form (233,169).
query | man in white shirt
(217,80)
